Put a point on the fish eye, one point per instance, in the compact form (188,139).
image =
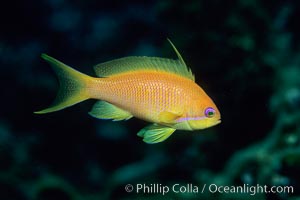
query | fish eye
(209,112)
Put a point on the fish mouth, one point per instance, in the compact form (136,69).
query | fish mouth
(218,121)
(215,122)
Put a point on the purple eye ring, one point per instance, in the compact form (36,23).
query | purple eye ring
(209,112)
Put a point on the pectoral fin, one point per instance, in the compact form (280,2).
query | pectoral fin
(155,133)
(168,117)
(105,110)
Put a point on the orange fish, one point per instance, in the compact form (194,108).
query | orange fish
(158,90)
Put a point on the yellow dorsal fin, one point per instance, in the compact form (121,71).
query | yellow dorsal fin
(177,53)
(139,63)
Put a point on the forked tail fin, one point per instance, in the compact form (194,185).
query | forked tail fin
(72,86)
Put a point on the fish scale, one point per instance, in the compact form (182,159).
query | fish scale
(163,87)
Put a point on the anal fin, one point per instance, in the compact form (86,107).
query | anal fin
(155,133)
(105,110)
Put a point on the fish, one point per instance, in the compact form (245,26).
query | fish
(158,90)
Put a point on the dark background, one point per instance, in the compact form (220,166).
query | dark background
(244,53)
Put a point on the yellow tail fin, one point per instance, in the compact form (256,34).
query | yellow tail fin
(72,86)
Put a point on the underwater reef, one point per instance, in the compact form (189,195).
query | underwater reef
(244,53)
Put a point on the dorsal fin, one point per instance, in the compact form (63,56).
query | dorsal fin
(177,52)
(138,63)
